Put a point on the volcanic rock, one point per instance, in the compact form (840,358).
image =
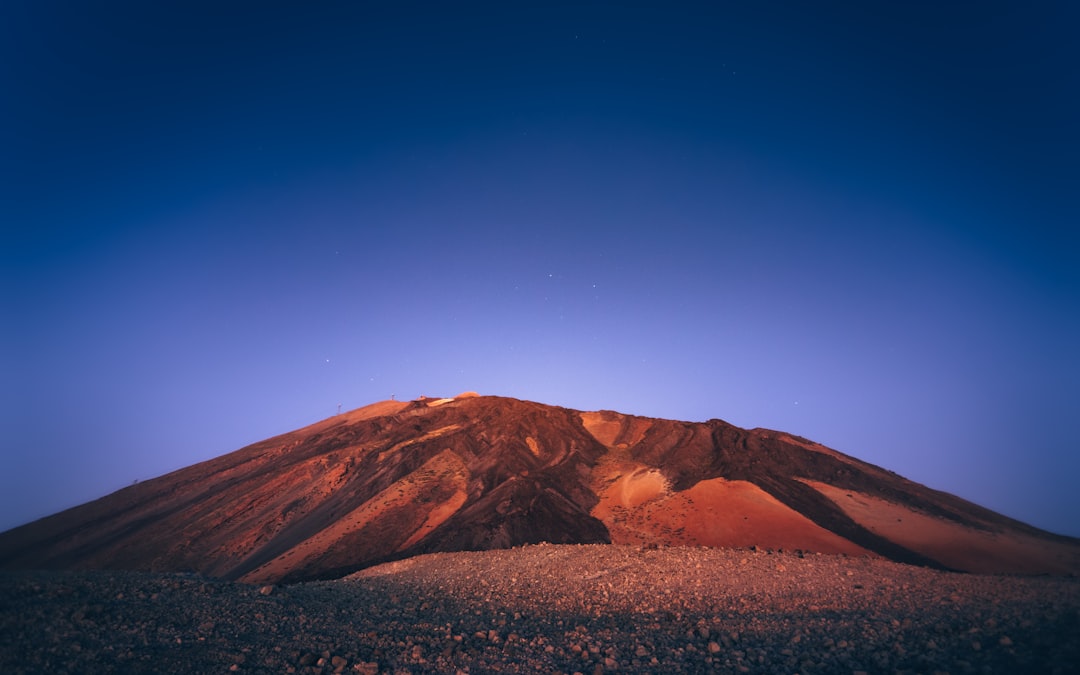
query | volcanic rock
(396,479)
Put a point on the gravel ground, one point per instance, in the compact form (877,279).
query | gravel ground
(545,609)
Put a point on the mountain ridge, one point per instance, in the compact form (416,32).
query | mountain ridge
(399,478)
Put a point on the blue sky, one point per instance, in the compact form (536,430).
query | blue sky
(856,222)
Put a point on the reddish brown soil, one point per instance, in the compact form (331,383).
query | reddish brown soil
(396,478)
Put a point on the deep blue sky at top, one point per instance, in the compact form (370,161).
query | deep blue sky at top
(852,221)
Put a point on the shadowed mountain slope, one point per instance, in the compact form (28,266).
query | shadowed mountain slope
(395,479)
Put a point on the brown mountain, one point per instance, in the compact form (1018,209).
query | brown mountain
(395,479)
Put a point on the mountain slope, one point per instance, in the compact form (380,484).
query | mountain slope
(395,479)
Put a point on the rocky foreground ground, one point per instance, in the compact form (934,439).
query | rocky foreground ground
(544,609)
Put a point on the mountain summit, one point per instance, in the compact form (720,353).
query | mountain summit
(396,478)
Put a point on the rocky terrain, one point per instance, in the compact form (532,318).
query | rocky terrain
(550,608)
(400,478)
